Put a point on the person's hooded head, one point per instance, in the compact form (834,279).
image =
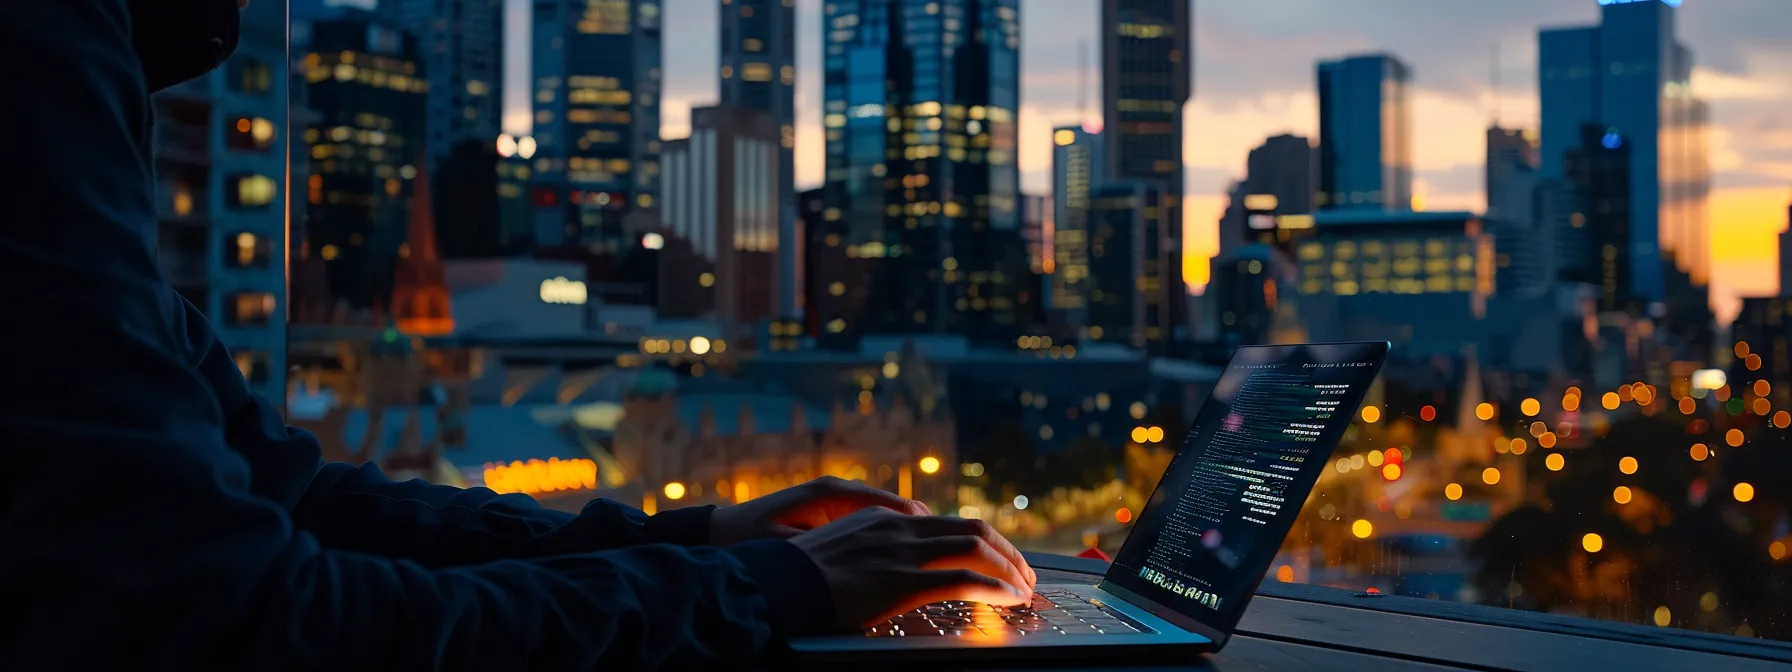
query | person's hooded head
(178,40)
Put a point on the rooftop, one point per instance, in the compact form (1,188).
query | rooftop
(1361,216)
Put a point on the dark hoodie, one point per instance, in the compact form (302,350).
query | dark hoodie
(154,514)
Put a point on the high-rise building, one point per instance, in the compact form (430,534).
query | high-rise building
(1283,167)
(597,121)
(1602,225)
(1786,256)
(1077,157)
(722,196)
(1525,245)
(221,229)
(1365,133)
(468,205)
(1035,230)
(1130,248)
(367,91)
(1630,76)
(826,269)
(1278,182)
(1147,75)
(922,183)
(461,44)
(758,66)
(1246,291)
(516,228)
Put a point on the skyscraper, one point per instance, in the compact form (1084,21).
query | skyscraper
(758,66)
(1147,66)
(1630,75)
(367,94)
(722,196)
(1786,256)
(1278,181)
(220,210)
(1525,246)
(922,183)
(597,120)
(1076,171)
(1602,226)
(1365,133)
(1129,255)
(461,45)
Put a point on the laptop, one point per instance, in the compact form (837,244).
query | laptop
(1202,543)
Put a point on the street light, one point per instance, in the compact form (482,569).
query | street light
(930,464)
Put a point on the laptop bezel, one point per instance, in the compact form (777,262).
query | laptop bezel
(1190,623)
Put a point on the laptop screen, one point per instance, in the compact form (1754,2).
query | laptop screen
(1233,489)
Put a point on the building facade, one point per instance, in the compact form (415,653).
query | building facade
(1077,168)
(1147,76)
(221,212)
(1421,280)
(1631,76)
(1129,257)
(1365,133)
(922,178)
(758,69)
(1786,256)
(596,93)
(367,90)
(1525,244)
(461,44)
(723,199)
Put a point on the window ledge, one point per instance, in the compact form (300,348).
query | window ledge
(1296,626)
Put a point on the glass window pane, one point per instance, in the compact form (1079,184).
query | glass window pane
(659,250)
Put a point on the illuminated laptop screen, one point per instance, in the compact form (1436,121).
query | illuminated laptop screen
(1240,477)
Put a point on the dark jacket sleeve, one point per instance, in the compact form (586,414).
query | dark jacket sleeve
(135,536)
(357,508)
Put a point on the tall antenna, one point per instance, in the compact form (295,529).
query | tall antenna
(1082,82)
(1494,83)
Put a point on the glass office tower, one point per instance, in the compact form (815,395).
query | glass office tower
(1365,134)
(922,182)
(1631,75)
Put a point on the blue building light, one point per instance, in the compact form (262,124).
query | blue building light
(1611,140)
(1608,3)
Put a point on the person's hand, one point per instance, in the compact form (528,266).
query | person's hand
(792,511)
(879,563)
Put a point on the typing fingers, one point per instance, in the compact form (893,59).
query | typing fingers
(941,526)
(974,554)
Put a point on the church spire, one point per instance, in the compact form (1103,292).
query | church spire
(420,291)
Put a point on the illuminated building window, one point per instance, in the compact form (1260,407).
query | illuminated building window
(248,309)
(254,365)
(250,75)
(751,44)
(756,72)
(246,250)
(250,191)
(249,134)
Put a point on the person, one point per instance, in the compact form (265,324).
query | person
(157,515)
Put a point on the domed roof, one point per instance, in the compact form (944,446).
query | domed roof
(653,382)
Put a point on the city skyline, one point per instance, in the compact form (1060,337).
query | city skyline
(1254,78)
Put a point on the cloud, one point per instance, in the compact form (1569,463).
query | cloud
(1714,86)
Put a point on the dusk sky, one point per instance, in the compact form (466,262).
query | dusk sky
(1254,63)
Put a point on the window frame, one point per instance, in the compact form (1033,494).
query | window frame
(1403,645)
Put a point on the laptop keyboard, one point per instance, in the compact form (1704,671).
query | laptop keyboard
(1053,612)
